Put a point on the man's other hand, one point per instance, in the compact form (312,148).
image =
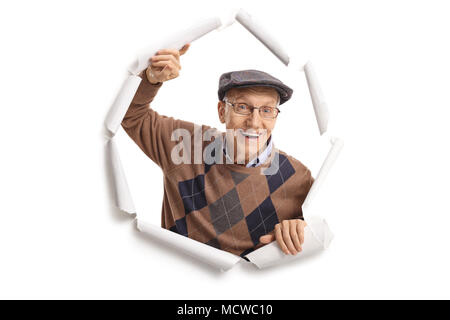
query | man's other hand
(289,235)
(165,64)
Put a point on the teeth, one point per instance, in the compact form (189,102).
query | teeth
(252,135)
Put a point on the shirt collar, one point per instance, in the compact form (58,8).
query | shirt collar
(260,159)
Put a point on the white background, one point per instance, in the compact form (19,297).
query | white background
(383,67)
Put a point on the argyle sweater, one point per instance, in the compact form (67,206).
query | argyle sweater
(227,206)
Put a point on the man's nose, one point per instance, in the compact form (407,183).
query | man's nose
(255,120)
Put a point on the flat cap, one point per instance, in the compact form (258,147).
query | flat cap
(251,78)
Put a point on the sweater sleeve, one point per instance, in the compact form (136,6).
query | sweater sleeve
(149,130)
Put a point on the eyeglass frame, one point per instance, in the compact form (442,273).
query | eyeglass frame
(252,108)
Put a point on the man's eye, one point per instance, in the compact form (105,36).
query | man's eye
(267,110)
(242,106)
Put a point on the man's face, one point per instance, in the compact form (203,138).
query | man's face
(249,132)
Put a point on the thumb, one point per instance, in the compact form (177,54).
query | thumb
(184,49)
(267,238)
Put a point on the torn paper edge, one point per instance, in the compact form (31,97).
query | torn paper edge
(318,100)
(260,33)
(228,19)
(123,199)
(217,258)
(121,103)
(318,235)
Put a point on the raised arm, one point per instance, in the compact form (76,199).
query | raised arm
(148,129)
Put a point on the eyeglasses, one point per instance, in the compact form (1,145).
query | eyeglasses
(264,111)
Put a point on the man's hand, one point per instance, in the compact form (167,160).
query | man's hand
(165,64)
(289,235)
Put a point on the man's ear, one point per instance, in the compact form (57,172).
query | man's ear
(221,111)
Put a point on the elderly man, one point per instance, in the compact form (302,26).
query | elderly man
(253,194)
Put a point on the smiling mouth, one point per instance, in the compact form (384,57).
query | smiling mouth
(250,135)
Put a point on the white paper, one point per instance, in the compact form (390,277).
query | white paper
(318,100)
(121,103)
(262,35)
(122,195)
(176,41)
(222,260)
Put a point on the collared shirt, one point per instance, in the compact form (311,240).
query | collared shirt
(260,159)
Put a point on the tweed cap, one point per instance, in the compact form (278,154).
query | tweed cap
(251,78)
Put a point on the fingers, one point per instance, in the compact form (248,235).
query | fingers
(161,74)
(287,237)
(162,64)
(279,237)
(184,49)
(301,232)
(295,237)
(165,64)
(176,53)
(168,72)
(170,58)
(267,238)
(290,235)
(172,52)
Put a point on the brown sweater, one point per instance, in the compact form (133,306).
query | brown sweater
(227,206)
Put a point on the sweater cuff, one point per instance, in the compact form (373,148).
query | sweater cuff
(146,91)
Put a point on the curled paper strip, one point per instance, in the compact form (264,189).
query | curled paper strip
(176,41)
(217,258)
(318,100)
(123,199)
(121,103)
(262,35)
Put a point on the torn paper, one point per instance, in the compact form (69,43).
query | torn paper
(318,100)
(123,199)
(217,258)
(262,35)
(121,103)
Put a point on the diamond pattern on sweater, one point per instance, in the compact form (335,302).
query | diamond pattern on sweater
(226,212)
(193,193)
(284,172)
(262,220)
